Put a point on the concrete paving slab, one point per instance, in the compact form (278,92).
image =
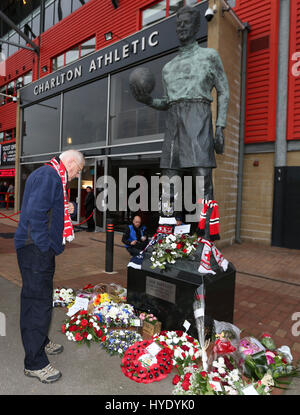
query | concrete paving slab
(85,371)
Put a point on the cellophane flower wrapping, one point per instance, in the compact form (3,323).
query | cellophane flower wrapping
(199,314)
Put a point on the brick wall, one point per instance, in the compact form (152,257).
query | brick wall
(224,37)
(257,200)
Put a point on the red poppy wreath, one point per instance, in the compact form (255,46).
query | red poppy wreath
(142,368)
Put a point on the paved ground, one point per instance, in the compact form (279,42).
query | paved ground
(266,299)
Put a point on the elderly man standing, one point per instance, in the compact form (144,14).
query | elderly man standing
(43,230)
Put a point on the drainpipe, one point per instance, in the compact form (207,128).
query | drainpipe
(282,83)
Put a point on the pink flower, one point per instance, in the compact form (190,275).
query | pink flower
(270,357)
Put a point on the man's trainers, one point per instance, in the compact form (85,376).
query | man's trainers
(46,375)
(53,348)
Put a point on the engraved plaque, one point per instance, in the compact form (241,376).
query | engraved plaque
(161,289)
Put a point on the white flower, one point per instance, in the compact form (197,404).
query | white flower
(77,322)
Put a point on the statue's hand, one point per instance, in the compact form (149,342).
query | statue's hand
(219,140)
(140,95)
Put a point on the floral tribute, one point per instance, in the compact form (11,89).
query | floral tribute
(118,341)
(172,247)
(266,359)
(137,366)
(223,379)
(149,318)
(115,314)
(63,297)
(84,328)
(186,349)
(101,298)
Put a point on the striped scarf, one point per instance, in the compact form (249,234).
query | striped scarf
(68,232)
(205,263)
(214,219)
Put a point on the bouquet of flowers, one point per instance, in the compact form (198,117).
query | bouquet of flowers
(84,328)
(149,318)
(115,314)
(274,363)
(186,349)
(172,247)
(118,341)
(224,379)
(101,298)
(63,296)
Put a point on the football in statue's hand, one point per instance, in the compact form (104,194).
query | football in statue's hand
(141,81)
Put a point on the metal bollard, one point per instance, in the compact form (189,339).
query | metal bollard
(109,254)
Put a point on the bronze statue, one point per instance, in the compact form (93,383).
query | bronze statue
(188,80)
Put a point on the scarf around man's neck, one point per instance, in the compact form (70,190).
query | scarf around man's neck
(58,165)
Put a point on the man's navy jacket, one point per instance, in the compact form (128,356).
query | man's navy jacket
(42,211)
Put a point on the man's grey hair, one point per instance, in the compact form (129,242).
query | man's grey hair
(73,154)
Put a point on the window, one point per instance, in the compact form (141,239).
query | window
(84,115)
(74,54)
(131,121)
(41,127)
(88,47)
(13,86)
(154,13)
(8,135)
(58,62)
(162,9)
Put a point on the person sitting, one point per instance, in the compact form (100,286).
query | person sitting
(135,237)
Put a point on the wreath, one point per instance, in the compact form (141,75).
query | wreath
(136,369)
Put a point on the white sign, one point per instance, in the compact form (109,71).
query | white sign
(153,348)
(80,304)
(182,229)
(186,325)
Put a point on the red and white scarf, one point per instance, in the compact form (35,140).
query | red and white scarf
(208,249)
(214,219)
(68,232)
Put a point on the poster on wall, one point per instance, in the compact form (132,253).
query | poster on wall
(7,154)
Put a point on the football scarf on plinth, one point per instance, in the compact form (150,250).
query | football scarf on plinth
(208,249)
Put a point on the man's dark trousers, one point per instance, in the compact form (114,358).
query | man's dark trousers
(37,270)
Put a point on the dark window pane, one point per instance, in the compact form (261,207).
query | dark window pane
(72,55)
(49,12)
(36,24)
(62,9)
(41,127)
(77,4)
(8,135)
(88,47)
(154,13)
(28,78)
(4,51)
(58,62)
(19,82)
(84,116)
(14,39)
(131,120)
(175,5)
(2,98)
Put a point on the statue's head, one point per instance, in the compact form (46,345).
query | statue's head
(188,23)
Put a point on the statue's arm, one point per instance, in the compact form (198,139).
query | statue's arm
(221,85)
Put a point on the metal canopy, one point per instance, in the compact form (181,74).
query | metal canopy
(34,48)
